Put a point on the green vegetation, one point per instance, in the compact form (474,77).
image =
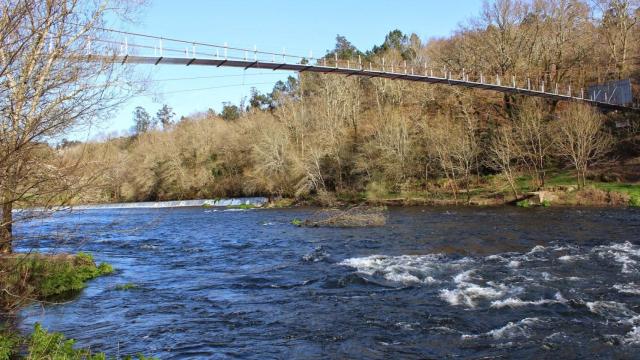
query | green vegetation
(546,203)
(9,342)
(242,207)
(34,277)
(297,222)
(634,201)
(45,345)
(38,277)
(125,287)
(399,142)
(524,203)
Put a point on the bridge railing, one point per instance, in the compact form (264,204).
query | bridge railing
(124,44)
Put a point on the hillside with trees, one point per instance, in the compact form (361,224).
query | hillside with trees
(354,138)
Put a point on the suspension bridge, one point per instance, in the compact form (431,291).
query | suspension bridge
(156,50)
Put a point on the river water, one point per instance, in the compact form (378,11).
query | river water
(432,283)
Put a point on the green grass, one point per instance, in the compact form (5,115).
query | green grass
(42,277)
(632,189)
(9,343)
(566,178)
(125,287)
(49,345)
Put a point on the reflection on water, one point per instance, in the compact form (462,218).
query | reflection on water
(432,283)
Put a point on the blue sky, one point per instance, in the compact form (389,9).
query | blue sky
(299,26)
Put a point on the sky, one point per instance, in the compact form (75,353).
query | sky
(299,27)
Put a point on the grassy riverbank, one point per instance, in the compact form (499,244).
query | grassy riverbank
(28,278)
(560,189)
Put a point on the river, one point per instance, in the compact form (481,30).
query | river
(432,283)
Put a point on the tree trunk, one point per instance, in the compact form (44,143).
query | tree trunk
(6,229)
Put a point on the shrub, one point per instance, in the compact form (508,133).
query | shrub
(296,222)
(376,191)
(524,203)
(38,277)
(546,203)
(8,344)
(45,345)
(634,201)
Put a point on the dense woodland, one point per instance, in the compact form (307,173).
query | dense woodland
(319,135)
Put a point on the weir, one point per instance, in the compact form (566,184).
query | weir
(255,201)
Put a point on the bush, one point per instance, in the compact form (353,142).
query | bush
(39,277)
(8,344)
(45,345)
(634,201)
(376,191)
(524,203)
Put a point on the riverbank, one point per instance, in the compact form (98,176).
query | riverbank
(560,189)
(48,279)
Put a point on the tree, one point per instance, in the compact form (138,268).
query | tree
(142,120)
(46,89)
(230,112)
(620,18)
(533,136)
(579,138)
(165,116)
(260,101)
(502,155)
(344,49)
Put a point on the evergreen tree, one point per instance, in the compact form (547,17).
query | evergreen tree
(142,120)
(165,116)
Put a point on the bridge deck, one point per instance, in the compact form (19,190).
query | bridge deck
(248,64)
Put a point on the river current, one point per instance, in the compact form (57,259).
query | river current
(432,283)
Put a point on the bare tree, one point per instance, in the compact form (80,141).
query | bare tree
(46,89)
(619,21)
(532,133)
(502,155)
(579,138)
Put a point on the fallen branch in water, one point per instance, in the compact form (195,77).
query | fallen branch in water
(359,216)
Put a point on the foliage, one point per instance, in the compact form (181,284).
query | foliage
(125,287)
(524,203)
(165,116)
(27,278)
(230,112)
(634,201)
(9,343)
(51,346)
(320,136)
(297,222)
(142,121)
